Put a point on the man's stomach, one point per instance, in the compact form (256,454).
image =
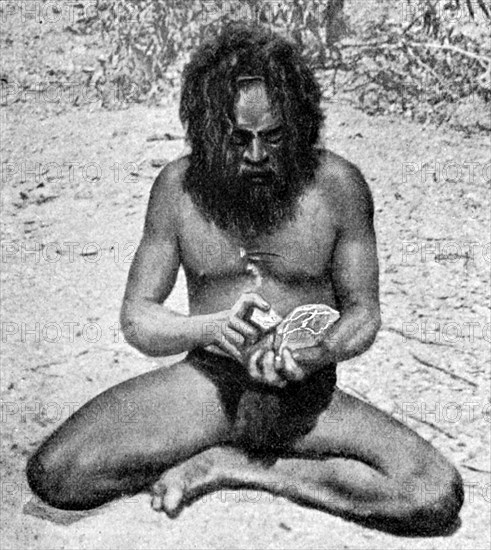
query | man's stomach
(215,296)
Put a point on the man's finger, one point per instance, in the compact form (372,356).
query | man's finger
(269,372)
(289,367)
(243,328)
(253,365)
(157,503)
(234,337)
(277,339)
(251,299)
(313,354)
(267,362)
(311,359)
(158,492)
(229,348)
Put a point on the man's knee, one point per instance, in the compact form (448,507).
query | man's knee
(52,474)
(44,476)
(434,496)
(452,497)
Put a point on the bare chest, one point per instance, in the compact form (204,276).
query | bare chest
(299,251)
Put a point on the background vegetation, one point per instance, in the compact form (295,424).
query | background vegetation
(426,59)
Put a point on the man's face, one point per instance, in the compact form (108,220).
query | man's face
(253,187)
(257,136)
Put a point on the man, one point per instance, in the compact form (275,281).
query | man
(260,220)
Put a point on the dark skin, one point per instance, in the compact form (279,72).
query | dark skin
(326,255)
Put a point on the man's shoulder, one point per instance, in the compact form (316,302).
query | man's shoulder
(337,171)
(164,205)
(171,177)
(341,181)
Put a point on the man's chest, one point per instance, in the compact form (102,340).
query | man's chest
(300,250)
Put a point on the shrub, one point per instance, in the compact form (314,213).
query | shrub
(422,58)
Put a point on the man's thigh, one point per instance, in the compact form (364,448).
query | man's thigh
(160,417)
(352,428)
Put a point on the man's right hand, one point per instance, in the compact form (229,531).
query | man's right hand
(233,333)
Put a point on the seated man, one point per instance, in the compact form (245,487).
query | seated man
(262,220)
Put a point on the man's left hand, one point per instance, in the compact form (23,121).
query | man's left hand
(297,365)
(268,367)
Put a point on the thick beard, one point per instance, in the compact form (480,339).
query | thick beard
(236,202)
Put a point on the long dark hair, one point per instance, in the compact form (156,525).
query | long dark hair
(209,90)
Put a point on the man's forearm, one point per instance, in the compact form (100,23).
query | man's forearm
(353,334)
(157,331)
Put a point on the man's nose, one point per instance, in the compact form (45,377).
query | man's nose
(256,152)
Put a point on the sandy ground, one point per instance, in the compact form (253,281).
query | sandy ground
(74,193)
(67,246)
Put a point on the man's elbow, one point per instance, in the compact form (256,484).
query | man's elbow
(376,320)
(138,331)
(373,325)
(365,322)
(369,323)
(132,328)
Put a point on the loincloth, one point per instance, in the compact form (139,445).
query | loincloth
(265,418)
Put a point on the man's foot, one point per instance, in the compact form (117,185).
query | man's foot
(192,478)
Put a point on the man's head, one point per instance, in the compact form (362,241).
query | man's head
(251,108)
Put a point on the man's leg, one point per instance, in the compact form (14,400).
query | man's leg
(123,439)
(357,462)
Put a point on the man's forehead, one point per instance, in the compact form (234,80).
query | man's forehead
(252,89)
(253,106)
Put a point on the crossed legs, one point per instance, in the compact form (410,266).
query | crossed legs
(358,463)
(363,465)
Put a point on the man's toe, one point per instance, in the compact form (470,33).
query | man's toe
(172,500)
(157,503)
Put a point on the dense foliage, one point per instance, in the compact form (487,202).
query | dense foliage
(428,59)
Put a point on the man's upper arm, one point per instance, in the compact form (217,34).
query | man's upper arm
(355,263)
(154,269)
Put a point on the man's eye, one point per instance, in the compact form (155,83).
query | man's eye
(238,139)
(275,138)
